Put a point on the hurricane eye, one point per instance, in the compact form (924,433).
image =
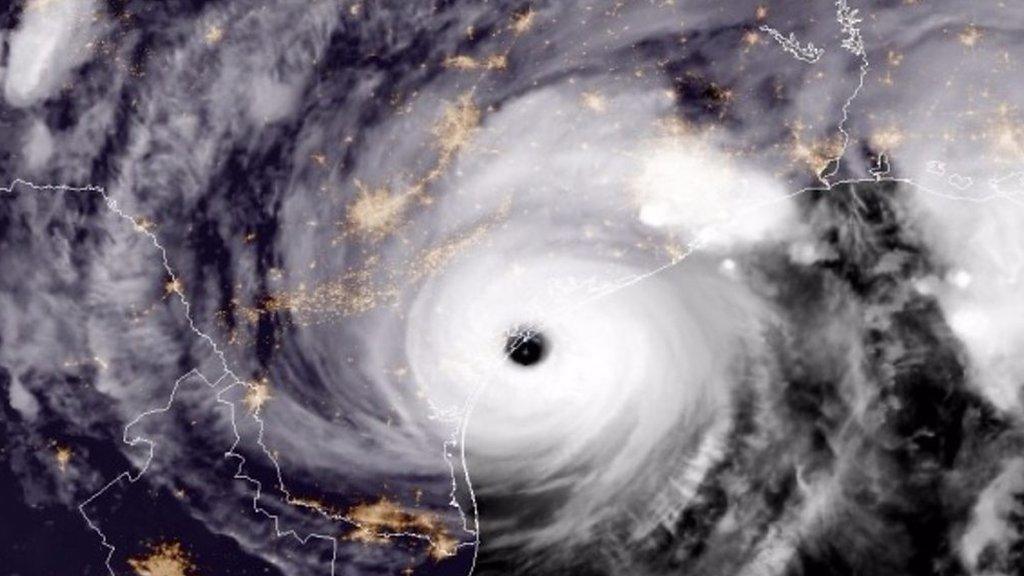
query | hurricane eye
(526,346)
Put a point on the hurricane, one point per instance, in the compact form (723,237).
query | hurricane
(445,287)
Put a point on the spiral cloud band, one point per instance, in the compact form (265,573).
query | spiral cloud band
(643,288)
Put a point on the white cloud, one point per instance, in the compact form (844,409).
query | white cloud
(38,146)
(686,184)
(989,526)
(983,244)
(53,40)
(272,100)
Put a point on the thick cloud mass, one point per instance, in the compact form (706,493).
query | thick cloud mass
(264,273)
